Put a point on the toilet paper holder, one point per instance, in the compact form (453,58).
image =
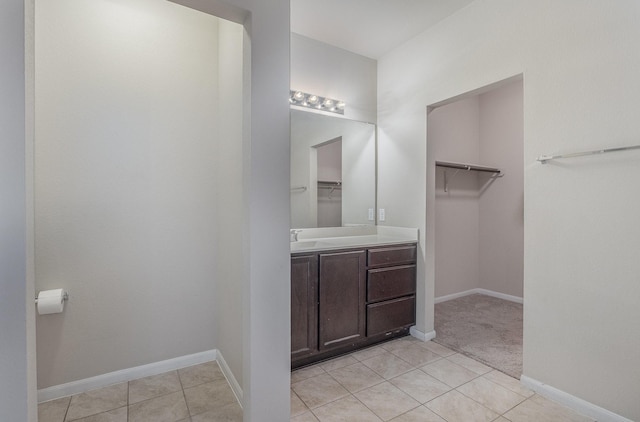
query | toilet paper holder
(65,297)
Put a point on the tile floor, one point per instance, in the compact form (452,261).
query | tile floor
(406,380)
(198,393)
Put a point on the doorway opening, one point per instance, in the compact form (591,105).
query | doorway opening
(475,148)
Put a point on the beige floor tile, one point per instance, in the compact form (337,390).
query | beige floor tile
(367,353)
(338,363)
(387,365)
(231,412)
(347,409)
(420,386)
(537,408)
(448,372)
(502,419)
(508,382)
(491,395)
(54,410)
(419,414)
(154,386)
(319,390)
(169,408)
(386,400)
(117,415)
(305,417)
(455,407)
(470,364)
(209,396)
(200,374)
(356,377)
(297,406)
(398,344)
(416,355)
(97,401)
(437,348)
(307,372)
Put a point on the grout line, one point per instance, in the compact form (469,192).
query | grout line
(128,389)
(67,411)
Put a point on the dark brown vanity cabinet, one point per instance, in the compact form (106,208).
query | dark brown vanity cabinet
(347,299)
(391,289)
(304,305)
(342,298)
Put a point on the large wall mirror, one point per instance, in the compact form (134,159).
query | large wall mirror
(333,171)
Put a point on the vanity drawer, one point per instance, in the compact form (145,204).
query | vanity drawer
(388,283)
(397,255)
(391,315)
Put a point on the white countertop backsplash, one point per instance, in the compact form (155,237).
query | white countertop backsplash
(311,240)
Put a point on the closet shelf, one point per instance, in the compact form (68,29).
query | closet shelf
(467,167)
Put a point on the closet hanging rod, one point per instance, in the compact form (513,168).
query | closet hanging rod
(296,188)
(544,158)
(468,167)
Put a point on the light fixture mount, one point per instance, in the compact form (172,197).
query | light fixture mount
(303,99)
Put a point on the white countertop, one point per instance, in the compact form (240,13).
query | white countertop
(312,240)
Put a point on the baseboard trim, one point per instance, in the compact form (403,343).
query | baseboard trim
(233,382)
(579,405)
(486,292)
(124,375)
(420,335)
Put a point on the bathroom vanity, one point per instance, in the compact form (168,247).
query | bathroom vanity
(348,292)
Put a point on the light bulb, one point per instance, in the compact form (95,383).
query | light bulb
(340,105)
(313,99)
(298,95)
(328,102)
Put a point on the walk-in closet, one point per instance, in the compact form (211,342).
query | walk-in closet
(476,144)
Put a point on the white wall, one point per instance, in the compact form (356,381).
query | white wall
(17,363)
(324,70)
(126,186)
(229,201)
(580,66)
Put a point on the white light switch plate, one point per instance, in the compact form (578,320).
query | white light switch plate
(381,214)
(371,214)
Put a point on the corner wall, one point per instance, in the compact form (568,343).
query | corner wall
(17,362)
(581,85)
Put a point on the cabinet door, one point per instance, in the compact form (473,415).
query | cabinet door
(304,305)
(342,298)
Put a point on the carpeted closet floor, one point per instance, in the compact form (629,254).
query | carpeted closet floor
(485,328)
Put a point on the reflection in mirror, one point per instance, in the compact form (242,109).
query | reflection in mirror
(333,171)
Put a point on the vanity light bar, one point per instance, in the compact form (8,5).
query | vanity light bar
(317,102)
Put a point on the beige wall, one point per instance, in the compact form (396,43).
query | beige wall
(453,135)
(501,204)
(479,220)
(580,66)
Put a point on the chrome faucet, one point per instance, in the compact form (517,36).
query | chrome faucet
(293,235)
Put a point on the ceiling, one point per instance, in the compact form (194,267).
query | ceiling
(368,27)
